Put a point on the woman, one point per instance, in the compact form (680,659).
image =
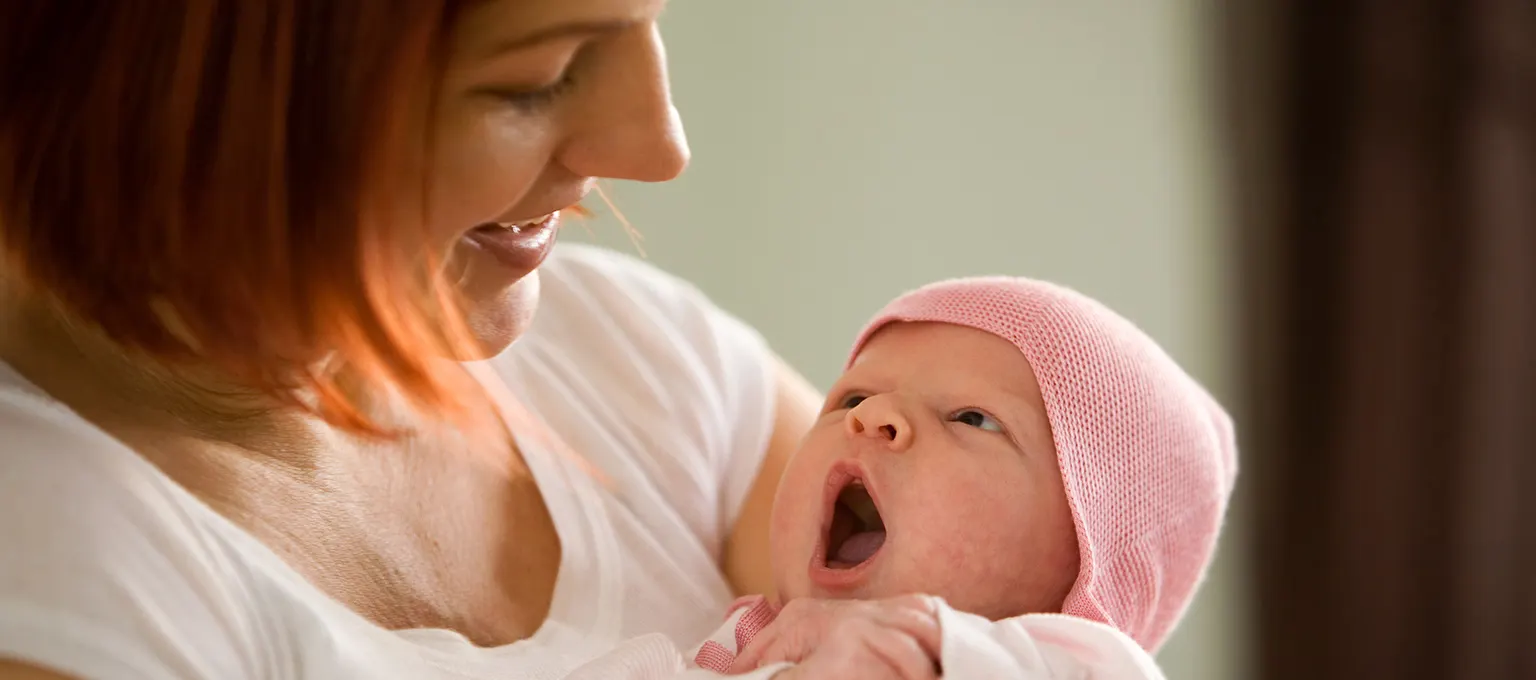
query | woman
(247,245)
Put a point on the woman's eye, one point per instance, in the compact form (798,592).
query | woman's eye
(978,420)
(851,401)
(533,100)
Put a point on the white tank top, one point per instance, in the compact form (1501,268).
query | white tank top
(108,569)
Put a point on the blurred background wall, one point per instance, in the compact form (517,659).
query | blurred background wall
(846,151)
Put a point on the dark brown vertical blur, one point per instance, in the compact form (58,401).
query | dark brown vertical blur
(1387,188)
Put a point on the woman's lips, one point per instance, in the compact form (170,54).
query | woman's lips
(522,246)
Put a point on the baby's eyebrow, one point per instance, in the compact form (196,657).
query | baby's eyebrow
(1023,400)
(1017,408)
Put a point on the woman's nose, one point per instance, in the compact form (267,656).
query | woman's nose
(629,128)
(880,417)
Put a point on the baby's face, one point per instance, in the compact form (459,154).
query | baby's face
(931,470)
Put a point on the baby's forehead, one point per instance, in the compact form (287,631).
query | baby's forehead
(945,358)
(922,343)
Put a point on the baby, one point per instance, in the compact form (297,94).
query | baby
(1021,452)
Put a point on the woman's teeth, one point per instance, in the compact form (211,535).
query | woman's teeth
(516,227)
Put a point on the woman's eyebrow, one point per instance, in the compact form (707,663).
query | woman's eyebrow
(566,30)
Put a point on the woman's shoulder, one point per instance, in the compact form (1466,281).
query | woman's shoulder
(104,568)
(108,568)
(48,446)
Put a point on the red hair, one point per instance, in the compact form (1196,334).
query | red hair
(231,161)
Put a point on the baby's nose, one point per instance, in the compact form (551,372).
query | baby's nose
(880,417)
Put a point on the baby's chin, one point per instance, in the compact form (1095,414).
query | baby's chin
(798,586)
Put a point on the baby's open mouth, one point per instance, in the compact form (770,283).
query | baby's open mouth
(856,531)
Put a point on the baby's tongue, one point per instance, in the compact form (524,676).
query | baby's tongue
(860,547)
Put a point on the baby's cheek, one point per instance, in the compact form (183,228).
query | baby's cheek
(954,535)
(948,559)
(783,543)
(945,536)
(978,534)
(985,538)
(792,536)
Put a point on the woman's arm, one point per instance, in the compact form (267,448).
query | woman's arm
(746,562)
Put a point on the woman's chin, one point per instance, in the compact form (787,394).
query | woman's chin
(498,318)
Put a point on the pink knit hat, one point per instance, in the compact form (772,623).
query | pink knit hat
(1147,455)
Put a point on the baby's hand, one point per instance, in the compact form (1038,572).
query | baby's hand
(891,639)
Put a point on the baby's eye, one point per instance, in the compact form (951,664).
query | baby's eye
(978,420)
(851,401)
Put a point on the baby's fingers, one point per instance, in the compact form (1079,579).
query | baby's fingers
(867,650)
(756,652)
(918,617)
(902,654)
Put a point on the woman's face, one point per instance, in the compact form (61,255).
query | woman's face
(540,98)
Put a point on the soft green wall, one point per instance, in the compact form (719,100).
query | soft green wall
(847,150)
